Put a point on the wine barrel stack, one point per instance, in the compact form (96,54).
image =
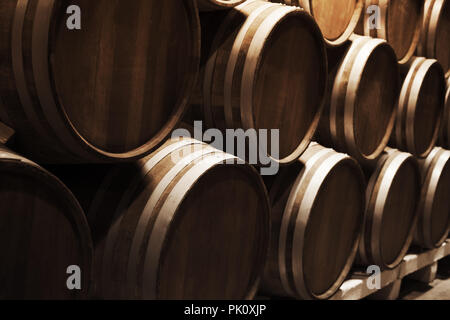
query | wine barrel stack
(110,190)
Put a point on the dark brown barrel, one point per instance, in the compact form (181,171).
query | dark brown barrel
(188,222)
(267,70)
(208,5)
(399,24)
(317,214)
(420,107)
(336,18)
(43,231)
(112,90)
(391,213)
(360,112)
(435,36)
(445,133)
(434,206)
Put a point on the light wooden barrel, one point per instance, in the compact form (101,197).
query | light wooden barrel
(317,214)
(400,24)
(43,231)
(111,91)
(336,18)
(180,224)
(267,70)
(445,133)
(435,36)
(360,113)
(391,214)
(420,107)
(434,205)
(209,5)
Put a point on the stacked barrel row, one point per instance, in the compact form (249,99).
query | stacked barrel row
(148,217)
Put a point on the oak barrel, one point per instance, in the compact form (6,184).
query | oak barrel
(391,213)
(420,107)
(399,23)
(434,205)
(180,224)
(208,5)
(317,214)
(445,133)
(336,18)
(267,70)
(360,112)
(43,231)
(110,91)
(435,35)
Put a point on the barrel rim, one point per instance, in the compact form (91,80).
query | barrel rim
(346,161)
(383,32)
(373,243)
(301,288)
(309,21)
(426,208)
(354,94)
(262,191)
(434,66)
(179,109)
(76,217)
(351,26)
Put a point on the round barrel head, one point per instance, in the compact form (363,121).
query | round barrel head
(399,213)
(442,38)
(376,101)
(440,220)
(333,16)
(43,233)
(291,83)
(404,17)
(333,228)
(123,79)
(218,240)
(429,109)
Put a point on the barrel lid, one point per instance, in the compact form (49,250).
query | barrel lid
(44,232)
(124,80)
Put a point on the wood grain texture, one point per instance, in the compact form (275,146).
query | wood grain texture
(434,205)
(337,19)
(420,107)
(108,92)
(43,231)
(391,216)
(445,132)
(180,224)
(267,70)
(317,214)
(434,41)
(209,5)
(360,112)
(399,24)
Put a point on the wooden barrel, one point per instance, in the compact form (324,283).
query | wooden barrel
(43,231)
(112,90)
(399,23)
(434,41)
(208,5)
(445,133)
(391,213)
(317,214)
(267,70)
(434,205)
(336,18)
(420,107)
(360,112)
(180,224)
